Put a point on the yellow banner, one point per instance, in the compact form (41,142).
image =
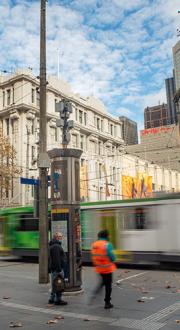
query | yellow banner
(83,182)
(136,187)
(126,186)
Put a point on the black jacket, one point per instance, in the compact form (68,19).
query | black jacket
(57,257)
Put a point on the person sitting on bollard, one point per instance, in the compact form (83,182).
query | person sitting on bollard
(57,264)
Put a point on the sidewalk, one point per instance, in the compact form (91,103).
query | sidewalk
(24,300)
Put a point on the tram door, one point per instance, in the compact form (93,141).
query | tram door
(3,246)
(1,232)
(108,221)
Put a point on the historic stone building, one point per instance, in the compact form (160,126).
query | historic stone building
(104,161)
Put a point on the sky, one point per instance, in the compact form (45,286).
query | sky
(119,51)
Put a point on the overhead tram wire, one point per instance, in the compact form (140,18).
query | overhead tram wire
(160,166)
(121,195)
(130,159)
(170,136)
(100,177)
(98,191)
(159,139)
(15,103)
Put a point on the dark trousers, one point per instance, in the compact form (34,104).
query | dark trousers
(55,296)
(106,281)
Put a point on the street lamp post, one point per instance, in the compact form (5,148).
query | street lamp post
(65,197)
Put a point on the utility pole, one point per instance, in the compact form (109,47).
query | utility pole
(43,157)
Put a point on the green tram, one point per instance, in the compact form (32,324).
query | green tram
(140,229)
(19,231)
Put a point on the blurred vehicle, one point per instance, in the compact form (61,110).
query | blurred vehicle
(141,230)
(20,231)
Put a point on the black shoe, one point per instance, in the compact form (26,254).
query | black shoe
(60,302)
(108,305)
(50,301)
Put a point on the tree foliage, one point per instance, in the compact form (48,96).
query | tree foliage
(8,166)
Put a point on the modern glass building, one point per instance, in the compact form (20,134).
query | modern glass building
(129,130)
(176,60)
(171,106)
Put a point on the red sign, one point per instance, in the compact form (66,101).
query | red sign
(155,130)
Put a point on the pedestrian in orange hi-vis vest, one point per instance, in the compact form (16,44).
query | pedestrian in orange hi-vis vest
(103,260)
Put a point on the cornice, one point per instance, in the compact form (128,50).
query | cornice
(71,98)
(84,106)
(17,78)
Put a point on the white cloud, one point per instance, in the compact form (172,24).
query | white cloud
(118,50)
(123,112)
(154,98)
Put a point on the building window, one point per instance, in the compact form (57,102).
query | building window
(100,170)
(92,147)
(6,188)
(37,97)
(101,193)
(74,141)
(98,124)
(8,96)
(114,175)
(80,116)
(32,127)
(111,129)
(108,150)
(32,153)
(102,126)
(7,126)
(99,148)
(94,120)
(13,127)
(32,95)
(55,101)
(82,142)
(55,134)
(12,188)
(13,95)
(76,114)
(85,118)
(3,98)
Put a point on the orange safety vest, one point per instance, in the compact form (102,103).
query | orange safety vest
(100,259)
